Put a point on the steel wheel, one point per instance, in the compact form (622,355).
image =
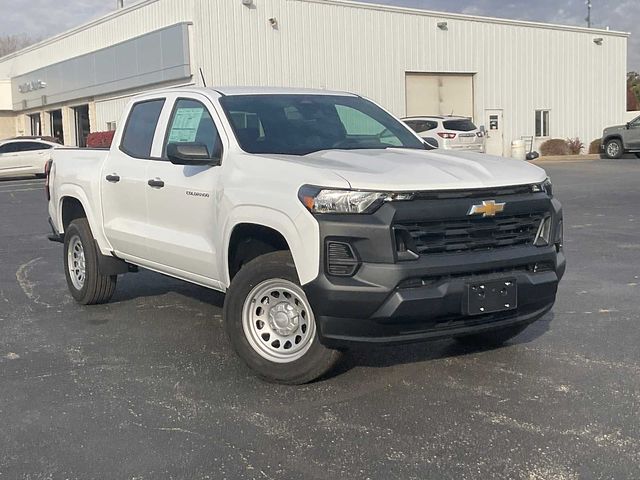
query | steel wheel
(76,262)
(277,321)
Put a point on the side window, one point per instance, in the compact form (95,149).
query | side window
(8,148)
(19,147)
(31,146)
(359,124)
(191,122)
(430,125)
(140,129)
(635,123)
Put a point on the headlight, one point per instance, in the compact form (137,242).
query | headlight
(545,186)
(318,200)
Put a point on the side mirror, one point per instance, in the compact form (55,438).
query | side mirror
(483,129)
(430,144)
(190,154)
(532,156)
(628,125)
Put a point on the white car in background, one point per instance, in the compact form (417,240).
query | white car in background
(450,133)
(24,156)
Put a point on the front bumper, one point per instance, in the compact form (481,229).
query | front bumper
(389,301)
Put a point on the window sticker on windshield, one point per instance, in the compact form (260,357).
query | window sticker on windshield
(185,125)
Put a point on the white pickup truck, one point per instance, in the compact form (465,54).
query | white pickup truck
(326,221)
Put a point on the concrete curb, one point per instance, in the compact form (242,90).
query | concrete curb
(568,158)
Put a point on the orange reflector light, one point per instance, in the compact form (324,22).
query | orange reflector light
(308,202)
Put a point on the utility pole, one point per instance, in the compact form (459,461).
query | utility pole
(588,19)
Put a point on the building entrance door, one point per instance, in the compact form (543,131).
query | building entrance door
(82,125)
(57,129)
(494,132)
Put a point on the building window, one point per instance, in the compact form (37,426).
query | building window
(36,125)
(111,126)
(542,123)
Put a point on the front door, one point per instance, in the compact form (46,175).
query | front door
(494,132)
(182,204)
(123,182)
(631,136)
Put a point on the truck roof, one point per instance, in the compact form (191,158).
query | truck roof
(231,91)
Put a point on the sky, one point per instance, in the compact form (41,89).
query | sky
(43,18)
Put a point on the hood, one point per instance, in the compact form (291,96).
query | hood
(409,170)
(614,129)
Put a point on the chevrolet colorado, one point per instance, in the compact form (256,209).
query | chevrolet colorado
(326,221)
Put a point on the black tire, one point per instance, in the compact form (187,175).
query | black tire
(637,154)
(317,360)
(96,288)
(617,149)
(493,338)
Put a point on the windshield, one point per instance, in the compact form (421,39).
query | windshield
(302,124)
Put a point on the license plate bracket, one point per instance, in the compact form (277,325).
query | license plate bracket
(492,296)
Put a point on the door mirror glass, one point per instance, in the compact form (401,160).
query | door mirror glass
(190,154)
(430,144)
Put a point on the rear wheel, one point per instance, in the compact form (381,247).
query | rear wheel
(613,149)
(637,154)
(271,325)
(491,339)
(86,284)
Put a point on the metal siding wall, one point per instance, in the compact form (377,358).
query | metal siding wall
(367,50)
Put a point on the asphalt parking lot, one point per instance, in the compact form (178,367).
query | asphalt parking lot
(146,387)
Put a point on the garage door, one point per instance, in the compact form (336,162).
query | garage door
(439,94)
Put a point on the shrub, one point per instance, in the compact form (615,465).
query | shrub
(594,147)
(555,146)
(100,139)
(575,145)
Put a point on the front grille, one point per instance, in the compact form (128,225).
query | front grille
(476,193)
(469,234)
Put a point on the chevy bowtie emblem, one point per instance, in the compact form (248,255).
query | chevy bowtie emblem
(489,208)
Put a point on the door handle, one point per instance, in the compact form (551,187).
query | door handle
(113,178)
(155,183)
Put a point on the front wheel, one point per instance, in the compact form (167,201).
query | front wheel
(271,325)
(86,284)
(492,338)
(613,149)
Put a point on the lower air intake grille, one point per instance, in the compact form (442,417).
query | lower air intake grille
(445,236)
(341,261)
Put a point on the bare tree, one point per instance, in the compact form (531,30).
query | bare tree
(13,43)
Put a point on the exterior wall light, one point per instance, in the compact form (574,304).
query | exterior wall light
(443,26)
(247,3)
(273,21)
(598,41)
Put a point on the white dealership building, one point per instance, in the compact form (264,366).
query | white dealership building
(517,78)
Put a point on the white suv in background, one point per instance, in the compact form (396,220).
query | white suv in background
(450,133)
(24,156)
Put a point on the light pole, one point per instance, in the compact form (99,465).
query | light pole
(588,19)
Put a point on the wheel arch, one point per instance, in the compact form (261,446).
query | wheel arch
(277,230)
(72,202)
(615,136)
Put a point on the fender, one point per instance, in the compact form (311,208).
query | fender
(76,192)
(301,234)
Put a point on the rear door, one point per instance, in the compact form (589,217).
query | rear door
(124,178)
(183,203)
(33,156)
